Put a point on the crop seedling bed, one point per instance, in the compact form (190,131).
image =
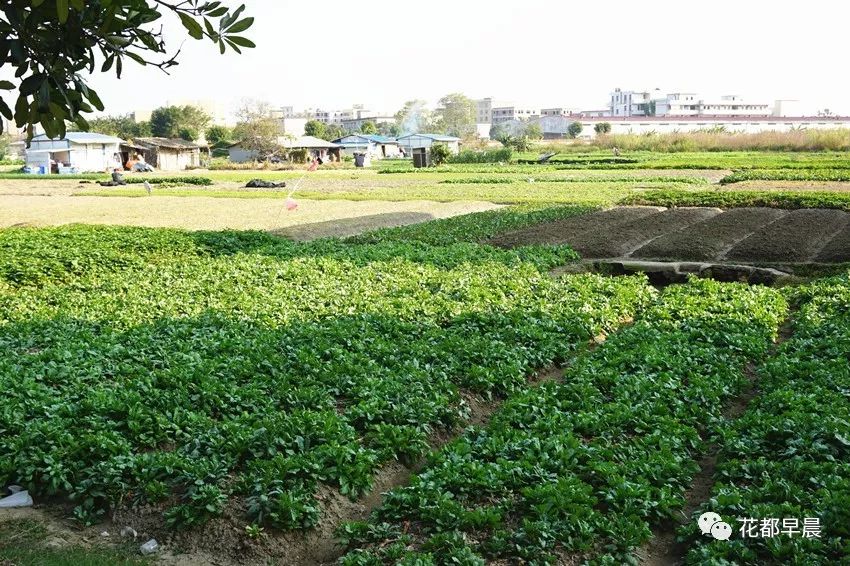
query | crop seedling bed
(584,467)
(786,457)
(201,373)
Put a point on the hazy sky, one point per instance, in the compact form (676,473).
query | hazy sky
(332,54)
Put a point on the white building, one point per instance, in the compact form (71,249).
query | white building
(507,113)
(628,103)
(556,126)
(485,109)
(77,152)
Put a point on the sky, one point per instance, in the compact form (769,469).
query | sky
(337,53)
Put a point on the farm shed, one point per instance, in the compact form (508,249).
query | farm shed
(316,148)
(80,151)
(168,154)
(378,147)
(411,141)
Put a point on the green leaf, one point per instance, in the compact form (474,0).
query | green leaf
(241,25)
(78,5)
(6,85)
(193,27)
(62,10)
(243,41)
(31,84)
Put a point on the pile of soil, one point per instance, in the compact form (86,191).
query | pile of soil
(711,238)
(838,249)
(623,239)
(570,229)
(796,237)
(751,235)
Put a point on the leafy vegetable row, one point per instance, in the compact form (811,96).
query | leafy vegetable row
(183,369)
(740,198)
(583,467)
(788,456)
(842,175)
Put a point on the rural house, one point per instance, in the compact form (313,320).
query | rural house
(78,152)
(412,141)
(168,154)
(378,147)
(315,148)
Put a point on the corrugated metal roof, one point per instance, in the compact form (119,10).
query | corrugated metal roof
(307,142)
(434,137)
(170,143)
(374,138)
(81,137)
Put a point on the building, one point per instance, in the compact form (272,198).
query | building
(413,141)
(168,154)
(377,147)
(628,103)
(485,109)
(355,124)
(315,148)
(76,152)
(507,113)
(556,126)
(557,111)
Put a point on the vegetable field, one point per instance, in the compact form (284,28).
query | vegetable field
(413,395)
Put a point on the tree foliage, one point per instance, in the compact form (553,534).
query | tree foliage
(315,128)
(456,115)
(439,153)
(122,126)
(534,132)
(257,130)
(602,128)
(51,43)
(333,132)
(413,118)
(368,128)
(574,129)
(186,122)
(218,134)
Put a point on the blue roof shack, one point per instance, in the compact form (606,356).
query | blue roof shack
(410,142)
(377,147)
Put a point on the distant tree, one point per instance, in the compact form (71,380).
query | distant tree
(333,132)
(257,130)
(368,128)
(187,122)
(414,117)
(601,128)
(52,47)
(456,115)
(574,129)
(390,130)
(439,153)
(218,134)
(534,132)
(123,126)
(314,128)
(825,113)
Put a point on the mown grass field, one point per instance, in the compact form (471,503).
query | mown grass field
(249,397)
